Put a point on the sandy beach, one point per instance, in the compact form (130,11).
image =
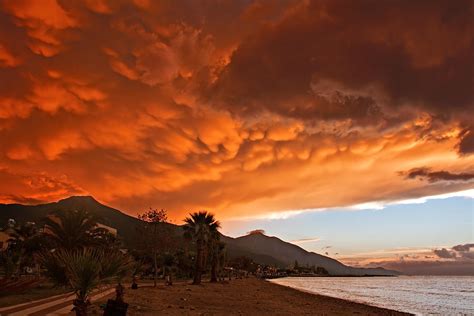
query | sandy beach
(238,297)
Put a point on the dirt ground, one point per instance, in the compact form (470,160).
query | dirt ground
(237,297)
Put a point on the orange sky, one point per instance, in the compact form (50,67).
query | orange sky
(242,108)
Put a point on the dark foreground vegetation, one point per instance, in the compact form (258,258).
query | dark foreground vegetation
(74,251)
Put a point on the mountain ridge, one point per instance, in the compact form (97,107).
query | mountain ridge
(287,253)
(261,248)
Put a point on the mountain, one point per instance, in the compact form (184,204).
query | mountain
(261,248)
(125,224)
(286,253)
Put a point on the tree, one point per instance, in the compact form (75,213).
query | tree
(243,263)
(216,248)
(153,235)
(71,230)
(74,229)
(200,227)
(296,266)
(85,269)
(8,262)
(322,271)
(24,242)
(184,262)
(169,262)
(154,216)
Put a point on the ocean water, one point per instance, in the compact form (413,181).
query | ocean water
(420,295)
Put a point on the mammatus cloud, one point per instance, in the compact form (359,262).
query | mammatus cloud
(230,107)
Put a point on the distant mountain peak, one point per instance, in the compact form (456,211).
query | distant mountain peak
(80,198)
(259,235)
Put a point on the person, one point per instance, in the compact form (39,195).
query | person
(119,293)
(116,307)
(134,283)
(168,280)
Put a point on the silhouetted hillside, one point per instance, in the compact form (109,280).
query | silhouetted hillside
(261,248)
(287,253)
(126,225)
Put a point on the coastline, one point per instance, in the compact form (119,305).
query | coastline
(384,311)
(239,297)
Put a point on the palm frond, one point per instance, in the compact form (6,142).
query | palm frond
(85,269)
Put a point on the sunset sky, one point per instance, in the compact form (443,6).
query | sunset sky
(326,123)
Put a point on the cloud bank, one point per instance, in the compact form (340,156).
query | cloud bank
(456,260)
(243,108)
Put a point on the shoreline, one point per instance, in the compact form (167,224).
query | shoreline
(396,312)
(238,297)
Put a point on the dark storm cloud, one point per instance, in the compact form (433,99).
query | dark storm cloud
(435,176)
(444,253)
(463,248)
(458,252)
(466,144)
(365,56)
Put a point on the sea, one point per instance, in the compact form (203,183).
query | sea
(419,295)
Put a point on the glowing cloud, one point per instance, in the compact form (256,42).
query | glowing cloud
(231,107)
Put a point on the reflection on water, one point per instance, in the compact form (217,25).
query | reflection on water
(422,295)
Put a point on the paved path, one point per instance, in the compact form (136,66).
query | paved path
(54,305)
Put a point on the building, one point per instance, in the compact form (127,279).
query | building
(4,240)
(57,220)
(111,230)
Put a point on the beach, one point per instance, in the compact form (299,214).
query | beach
(249,296)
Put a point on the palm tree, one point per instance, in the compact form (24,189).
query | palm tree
(201,227)
(86,269)
(70,230)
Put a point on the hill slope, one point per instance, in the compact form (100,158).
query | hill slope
(287,253)
(262,249)
(125,224)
